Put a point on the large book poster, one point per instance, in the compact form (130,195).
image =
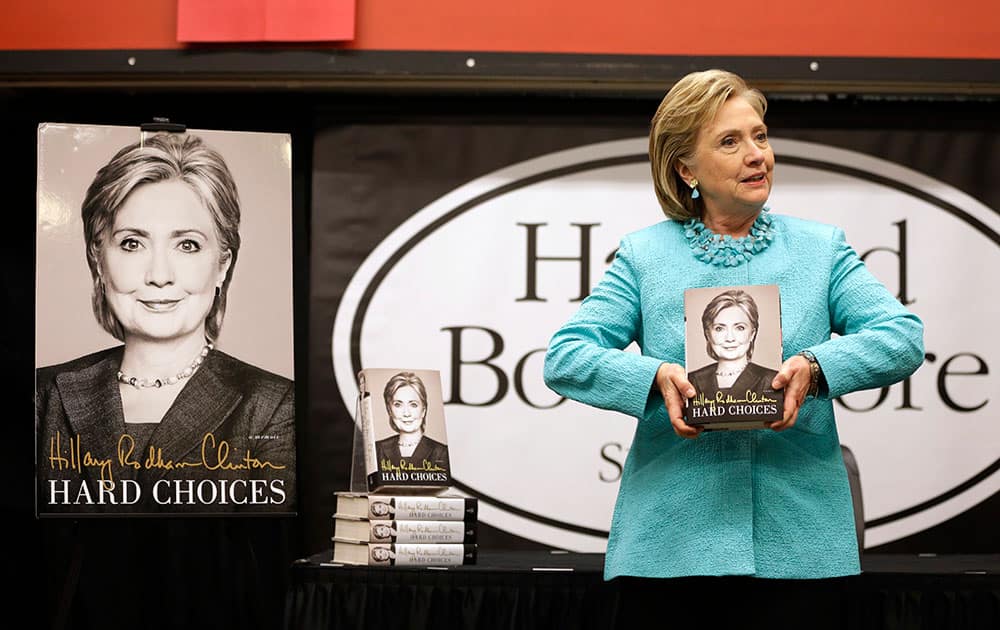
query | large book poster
(163,323)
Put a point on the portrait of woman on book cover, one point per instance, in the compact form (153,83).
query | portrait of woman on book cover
(409,447)
(382,555)
(383,531)
(383,508)
(731,322)
(164,421)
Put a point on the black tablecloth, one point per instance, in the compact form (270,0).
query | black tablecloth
(530,589)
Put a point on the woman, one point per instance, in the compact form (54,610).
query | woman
(161,230)
(406,405)
(769,503)
(730,323)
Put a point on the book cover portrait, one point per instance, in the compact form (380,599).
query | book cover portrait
(406,439)
(163,323)
(733,352)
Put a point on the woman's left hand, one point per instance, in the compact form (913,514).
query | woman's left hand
(794,377)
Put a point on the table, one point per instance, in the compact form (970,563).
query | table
(538,589)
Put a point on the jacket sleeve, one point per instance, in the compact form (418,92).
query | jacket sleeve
(586,359)
(879,342)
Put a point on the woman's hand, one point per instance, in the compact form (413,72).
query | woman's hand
(794,377)
(675,388)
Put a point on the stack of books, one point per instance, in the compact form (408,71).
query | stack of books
(407,512)
(405,530)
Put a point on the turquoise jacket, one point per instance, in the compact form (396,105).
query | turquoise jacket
(762,503)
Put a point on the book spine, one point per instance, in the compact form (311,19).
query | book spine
(409,532)
(404,555)
(423,508)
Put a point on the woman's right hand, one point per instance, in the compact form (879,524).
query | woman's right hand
(674,387)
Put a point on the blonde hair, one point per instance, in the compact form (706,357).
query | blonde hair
(398,382)
(161,158)
(731,298)
(690,104)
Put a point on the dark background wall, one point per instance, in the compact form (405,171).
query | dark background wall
(67,62)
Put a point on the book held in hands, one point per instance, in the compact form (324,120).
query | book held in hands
(403,435)
(732,353)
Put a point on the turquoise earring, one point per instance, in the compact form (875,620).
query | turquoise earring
(694,189)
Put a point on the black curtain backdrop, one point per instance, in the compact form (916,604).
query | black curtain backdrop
(224,573)
(892,593)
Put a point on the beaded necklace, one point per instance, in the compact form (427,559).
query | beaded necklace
(727,251)
(142,383)
(728,373)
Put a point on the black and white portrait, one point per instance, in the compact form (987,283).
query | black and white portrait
(381,508)
(410,445)
(382,554)
(383,531)
(143,404)
(740,330)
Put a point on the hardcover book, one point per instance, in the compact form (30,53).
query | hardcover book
(388,554)
(407,507)
(732,353)
(403,435)
(396,531)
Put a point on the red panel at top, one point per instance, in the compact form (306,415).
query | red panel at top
(849,28)
(264,20)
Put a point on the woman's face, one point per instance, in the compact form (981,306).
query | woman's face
(407,410)
(732,161)
(161,263)
(731,333)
